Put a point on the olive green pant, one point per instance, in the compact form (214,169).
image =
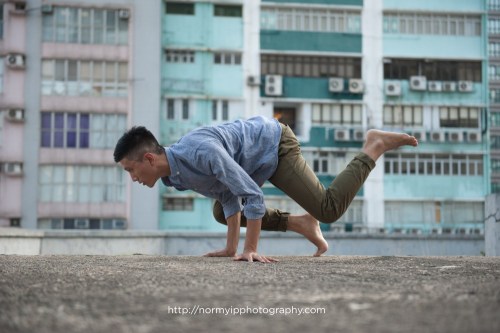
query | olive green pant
(294,177)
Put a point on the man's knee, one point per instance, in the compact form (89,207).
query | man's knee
(218,212)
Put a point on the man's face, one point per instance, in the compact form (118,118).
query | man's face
(142,172)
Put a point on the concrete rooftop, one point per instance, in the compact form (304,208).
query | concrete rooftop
(149,293)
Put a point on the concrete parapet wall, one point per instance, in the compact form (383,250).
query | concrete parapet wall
(492,225)
(28,242)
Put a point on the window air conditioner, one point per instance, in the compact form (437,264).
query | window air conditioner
(419,135)
(274,85)
(342,135)
(449,86)
(434,86)
(47,9)
(418,83)
(358,135)
(393,88)
(465,86)
(474,136)
(253,80)
(456,136)
(12,169)
(124,14)
(15,115)
(15,60)
(437,136)
(336,84)
(356,86)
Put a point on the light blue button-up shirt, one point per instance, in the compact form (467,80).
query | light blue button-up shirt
(229,163)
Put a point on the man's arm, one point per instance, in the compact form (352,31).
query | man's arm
(233,237)
(251,242)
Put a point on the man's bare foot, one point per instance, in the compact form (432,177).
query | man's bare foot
(378,142)
(308,226)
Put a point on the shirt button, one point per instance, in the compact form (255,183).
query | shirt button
(178,172)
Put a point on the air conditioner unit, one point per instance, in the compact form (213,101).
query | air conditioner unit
(15,115)
(420,135)
(342,135)
(456,136)
(19,7)
(274,85)
(358,135)
(253,80)
(434,86)
(47,9)
(448,86)
(81,224)
(15,60)
(393,88)
(335,84)
(418,83)
(474,136)
(465,86)
(356,86)
(13,169)
(124,14)
(437,136)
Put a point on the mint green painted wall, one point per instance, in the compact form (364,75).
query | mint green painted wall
(323,2)
(323,137)
(478,97)
(200,218)
(203,29)
(433,5)
(310,41)
(400,187)
(310,88)
(433,47)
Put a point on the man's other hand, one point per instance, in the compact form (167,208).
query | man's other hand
(221,253)
(253,256)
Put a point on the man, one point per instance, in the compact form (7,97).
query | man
(230,163)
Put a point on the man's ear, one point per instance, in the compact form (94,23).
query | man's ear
(150,157)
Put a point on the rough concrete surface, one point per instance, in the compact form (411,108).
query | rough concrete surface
(142,293)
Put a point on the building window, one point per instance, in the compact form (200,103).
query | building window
(403,115)
(495,96)
(180,203)
(179,8)
(1,20)
(310,66)
(84,78)
(81,184)
(302,19)
(494,72)
(227,10)
(2,115)
(434,164)
(82,223)
(1,70)
(220,110)
(337,114)
(494,4)
(459,117)
(495,119)
(320,162)
(180,56)
(185,109)
(434,213)
(495,142)
(85,26)
(224,58)
(81,130)
(170,109)
(432,24)
(494,26)
(433,70)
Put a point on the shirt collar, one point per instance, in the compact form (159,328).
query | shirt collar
(174,169)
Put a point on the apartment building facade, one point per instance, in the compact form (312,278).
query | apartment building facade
(331,69)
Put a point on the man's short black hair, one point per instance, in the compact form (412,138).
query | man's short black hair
(135,143)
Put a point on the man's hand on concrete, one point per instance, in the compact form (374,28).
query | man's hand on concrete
(222,253)
(253,256)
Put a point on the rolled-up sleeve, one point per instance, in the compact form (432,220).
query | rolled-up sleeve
(240,185)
